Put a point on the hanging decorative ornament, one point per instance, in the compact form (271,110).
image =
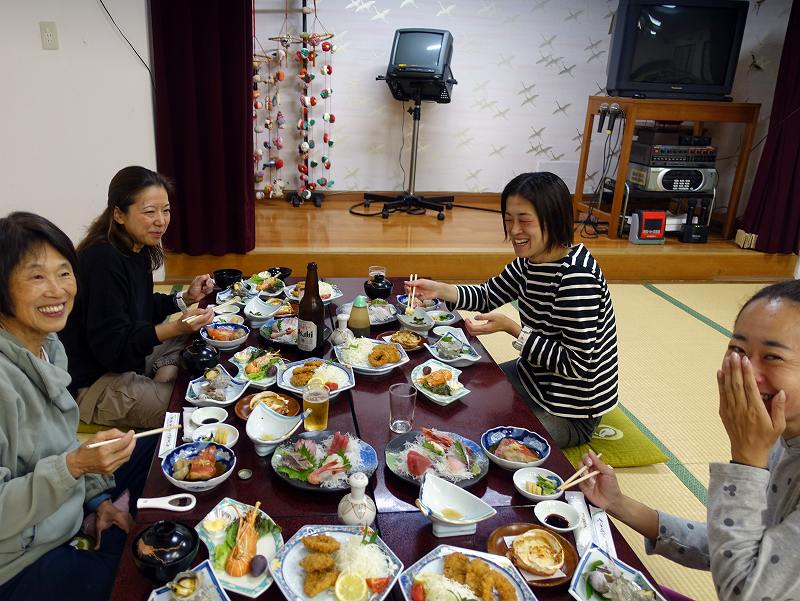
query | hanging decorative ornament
(325,138)
(257,104)
(280,76)
(326,46)
(329,184)
(311,144)
(259,195)
(259,153)
(327,164)
(306,194)
(322,181)
(326,69)
(259,176)
(278,141)
(267,144)
(304,146)
(302,169)
(324,93)
(278,163)
(258,129)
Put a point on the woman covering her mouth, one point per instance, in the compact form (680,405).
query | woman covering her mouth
(567,340)
(122,356)
(48,482)
(749,540)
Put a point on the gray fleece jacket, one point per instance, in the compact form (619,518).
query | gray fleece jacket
(41,504)
(752,537)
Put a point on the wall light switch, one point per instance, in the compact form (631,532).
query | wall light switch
(49,35)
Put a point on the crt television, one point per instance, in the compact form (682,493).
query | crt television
(419,64)
(676,48)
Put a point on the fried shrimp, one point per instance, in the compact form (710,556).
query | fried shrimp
(316,582)
(320,543)
(318,562)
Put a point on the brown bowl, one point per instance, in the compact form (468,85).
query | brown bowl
(496,545)
(290,408)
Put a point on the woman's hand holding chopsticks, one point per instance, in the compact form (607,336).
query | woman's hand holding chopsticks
(103,459)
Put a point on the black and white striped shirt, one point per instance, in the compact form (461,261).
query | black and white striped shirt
(569,363)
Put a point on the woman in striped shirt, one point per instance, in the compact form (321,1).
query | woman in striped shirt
(567,339)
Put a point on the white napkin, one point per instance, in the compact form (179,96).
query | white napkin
(594,526)
(509,540)
(169,439)
(188,424)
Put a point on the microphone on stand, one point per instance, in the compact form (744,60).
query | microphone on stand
(603,112)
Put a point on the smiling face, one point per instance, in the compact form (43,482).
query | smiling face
(525,231)
(768,333)
(147,218)
(42,289)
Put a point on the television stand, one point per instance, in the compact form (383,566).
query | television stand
(652,109)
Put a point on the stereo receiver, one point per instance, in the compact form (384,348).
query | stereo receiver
(672,179)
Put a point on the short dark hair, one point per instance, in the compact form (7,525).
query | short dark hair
(788,290)
(125,186)
(552,201)
(21,233)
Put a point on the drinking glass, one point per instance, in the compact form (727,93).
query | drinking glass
(316,397)
(402,400)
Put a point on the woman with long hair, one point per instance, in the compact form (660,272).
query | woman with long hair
(122,354)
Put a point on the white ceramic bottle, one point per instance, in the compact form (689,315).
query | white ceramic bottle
(341,335)
(357,508)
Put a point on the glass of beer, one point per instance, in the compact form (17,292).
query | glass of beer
(316,397)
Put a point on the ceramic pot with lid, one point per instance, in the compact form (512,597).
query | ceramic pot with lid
(197,357)
(378,287)
(165,549)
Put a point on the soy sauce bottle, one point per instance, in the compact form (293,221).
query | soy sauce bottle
(311,315)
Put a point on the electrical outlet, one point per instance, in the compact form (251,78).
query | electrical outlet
(49,35)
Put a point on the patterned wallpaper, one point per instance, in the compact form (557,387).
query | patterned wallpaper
(524,71)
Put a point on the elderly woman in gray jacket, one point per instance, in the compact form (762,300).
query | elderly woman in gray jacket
(47,480)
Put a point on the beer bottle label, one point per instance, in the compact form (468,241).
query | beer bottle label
(306,335)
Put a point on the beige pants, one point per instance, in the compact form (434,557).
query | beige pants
(129,399)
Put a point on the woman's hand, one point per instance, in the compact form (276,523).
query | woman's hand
(492,322)
(101,460)
(603,489)
(751,429)
(206,315)
(428,290)
(108,515)
(201,286)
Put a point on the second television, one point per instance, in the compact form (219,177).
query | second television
(676,48)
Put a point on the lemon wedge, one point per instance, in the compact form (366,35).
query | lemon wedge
(351,587)
(315,382)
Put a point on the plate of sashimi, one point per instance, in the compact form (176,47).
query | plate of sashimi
(448,455)
(323,460)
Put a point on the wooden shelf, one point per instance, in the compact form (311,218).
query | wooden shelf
(697,111)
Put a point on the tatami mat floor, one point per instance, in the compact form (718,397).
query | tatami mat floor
(671,341)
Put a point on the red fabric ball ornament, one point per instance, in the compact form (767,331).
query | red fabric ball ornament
(312,186)
(302,73)
(325,137)
(278,163)
(280,76)
(326,69)
(302,168)
(327,164)
(313,101)
(300,124)
(305,111)
(257,104)
(326,46)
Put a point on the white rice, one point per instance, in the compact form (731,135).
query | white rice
(356,352)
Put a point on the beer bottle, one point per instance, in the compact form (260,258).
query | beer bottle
(311,315)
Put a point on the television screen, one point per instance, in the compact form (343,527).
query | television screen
(419,48)
(683,44)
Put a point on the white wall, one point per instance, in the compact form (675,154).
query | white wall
(487,134)
(70,118)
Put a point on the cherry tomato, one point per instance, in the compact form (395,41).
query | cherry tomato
(377,585)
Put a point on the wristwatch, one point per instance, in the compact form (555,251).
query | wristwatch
(180,302)
(522,338)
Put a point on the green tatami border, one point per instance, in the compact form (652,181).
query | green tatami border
(687,309)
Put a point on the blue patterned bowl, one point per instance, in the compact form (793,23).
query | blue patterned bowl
(532,440)
(225,456)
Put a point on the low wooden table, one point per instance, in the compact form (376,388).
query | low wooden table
(364,411)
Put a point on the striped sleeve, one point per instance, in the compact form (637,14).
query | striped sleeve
(575,315)
(495,293)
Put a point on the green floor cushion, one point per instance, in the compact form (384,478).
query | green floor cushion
(621,443)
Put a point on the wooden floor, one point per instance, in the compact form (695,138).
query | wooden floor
(467,245)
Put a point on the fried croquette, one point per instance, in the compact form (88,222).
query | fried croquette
(455,567)
(313,364)
(316,582)
(301,375)
(318,562)
(478,578)
(505,590)
(320,543)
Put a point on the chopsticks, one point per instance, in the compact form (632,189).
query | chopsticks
(230,301)
(410,305)
(571,481)
(102,443)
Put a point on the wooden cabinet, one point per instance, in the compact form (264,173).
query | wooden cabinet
(697,111)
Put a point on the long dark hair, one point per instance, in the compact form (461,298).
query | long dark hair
(788,290)
(550,198)
(21,234)
(125,186)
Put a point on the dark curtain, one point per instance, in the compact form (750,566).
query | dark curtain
(203,56)
(773,211)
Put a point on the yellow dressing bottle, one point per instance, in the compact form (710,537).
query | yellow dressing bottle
(359,317)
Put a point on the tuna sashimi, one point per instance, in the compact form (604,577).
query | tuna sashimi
(417,463)
(339,443)
(438,437)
